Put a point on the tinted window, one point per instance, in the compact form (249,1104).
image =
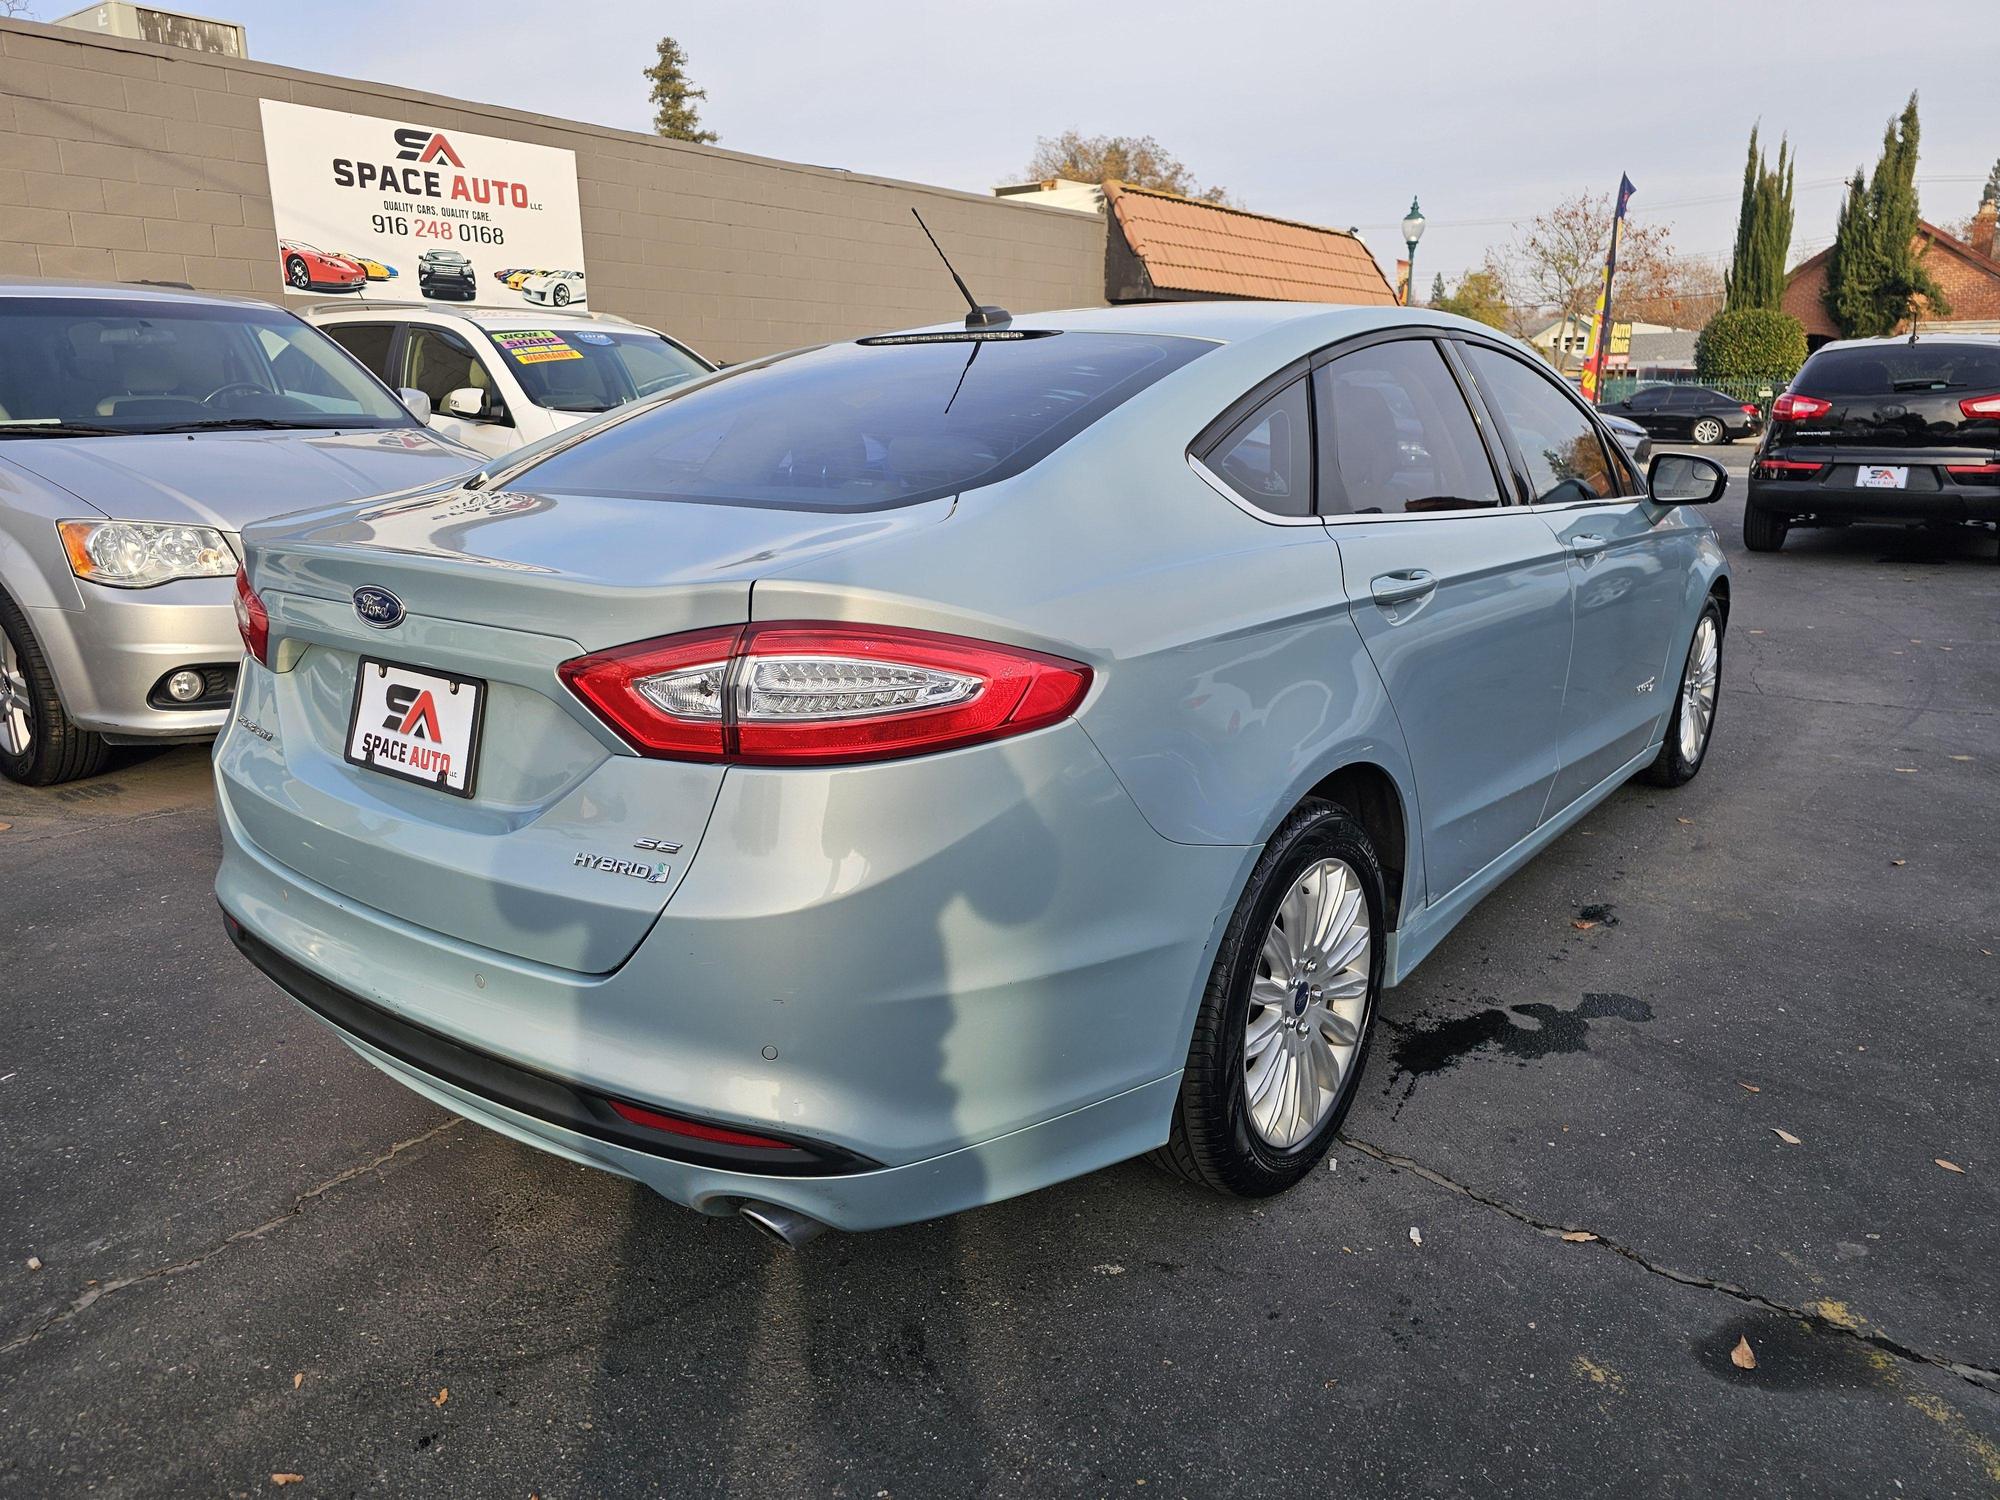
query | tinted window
(1396,435)
(438,363)
(1890,369)
(592,369)
(1649,400)
(367,342)
(1565,460)
(1267,457)
(858,426)
(139,366)
(1688,400)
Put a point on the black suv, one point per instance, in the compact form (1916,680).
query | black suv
(1693,412)
(445,273)
(1898,430)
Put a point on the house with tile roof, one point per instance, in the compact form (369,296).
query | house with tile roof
(1966,270)
(1161,247)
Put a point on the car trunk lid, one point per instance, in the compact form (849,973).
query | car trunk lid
(567,846)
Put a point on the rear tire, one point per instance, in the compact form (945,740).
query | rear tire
(1707,431)
(39,744)
(1218,1138)
(1762,531)
(1697,698)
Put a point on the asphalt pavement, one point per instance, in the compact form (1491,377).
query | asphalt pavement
(1688,1081)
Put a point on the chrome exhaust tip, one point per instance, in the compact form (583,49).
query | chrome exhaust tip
(786,1225)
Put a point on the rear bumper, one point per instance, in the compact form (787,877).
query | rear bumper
(108,655)
(1949,505)
(994,996)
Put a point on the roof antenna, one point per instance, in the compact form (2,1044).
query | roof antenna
(979,317)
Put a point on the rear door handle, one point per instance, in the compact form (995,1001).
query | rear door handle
(1404,586)
(1586,544)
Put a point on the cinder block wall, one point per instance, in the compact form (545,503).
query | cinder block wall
(127,161)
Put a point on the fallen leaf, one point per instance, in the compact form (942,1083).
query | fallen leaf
(1751,1087)
(1579,1236)
(1756,632)
(1955,757)
(1416,1235)
(443,1395)
(1743,1356)
(1907,770)
(298,1380)
(1684,820)
(5,826)
(1899,862)
(288,1479)
(1949,1166)
(1330,1384)
(1785,1135)
(34,1263)
(1582,926)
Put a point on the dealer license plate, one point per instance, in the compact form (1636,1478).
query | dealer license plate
(419,726)
(1883,477)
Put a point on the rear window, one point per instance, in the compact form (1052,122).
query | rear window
(1891,369)
(863,426)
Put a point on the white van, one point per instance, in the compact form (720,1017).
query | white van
(498,380)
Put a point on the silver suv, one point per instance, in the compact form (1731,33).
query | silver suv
(140,429)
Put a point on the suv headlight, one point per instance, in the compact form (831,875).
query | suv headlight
(139,554)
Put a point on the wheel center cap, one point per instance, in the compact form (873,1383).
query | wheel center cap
(1301,993)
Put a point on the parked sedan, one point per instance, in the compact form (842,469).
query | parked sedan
(1903,430)
(139,430)
(1634,439)
(884,779)
(1693,413)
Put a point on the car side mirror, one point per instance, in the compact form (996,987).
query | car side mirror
(418,402)
(466,401)
(1684,479)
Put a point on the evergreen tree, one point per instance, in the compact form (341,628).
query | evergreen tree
(1875,273)
(1763,231)
(1992,190)
(674,98)
(1437,290)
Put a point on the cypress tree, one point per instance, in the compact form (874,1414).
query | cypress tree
(1756,276)
(674,98)
(1875,272)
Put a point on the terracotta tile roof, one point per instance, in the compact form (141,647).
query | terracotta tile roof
(1204,248)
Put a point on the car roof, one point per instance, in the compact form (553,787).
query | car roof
(1232,322)
(491,318)
(134,291)
(1921,336)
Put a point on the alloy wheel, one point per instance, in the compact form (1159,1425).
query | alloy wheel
(1308,1003)
(1698,689)
(17,723)
(1708,430)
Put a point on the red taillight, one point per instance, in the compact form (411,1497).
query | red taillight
(652,1119)
(1751,409)
(1973,471)
(1791,407)
(809,693)
(1980,406)
(1780,468)
(253,621)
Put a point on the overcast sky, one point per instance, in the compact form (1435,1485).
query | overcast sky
(1330,112)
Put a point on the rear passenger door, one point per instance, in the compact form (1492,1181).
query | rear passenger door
(1462,597)
(1629,564)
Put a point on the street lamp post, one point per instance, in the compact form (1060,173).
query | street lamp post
(1413,230)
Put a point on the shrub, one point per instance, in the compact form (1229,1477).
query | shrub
(1750,341)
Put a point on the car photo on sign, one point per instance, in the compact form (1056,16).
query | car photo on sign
(307,268)
(554,288)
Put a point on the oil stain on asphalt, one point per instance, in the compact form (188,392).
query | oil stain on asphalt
(1523,1033)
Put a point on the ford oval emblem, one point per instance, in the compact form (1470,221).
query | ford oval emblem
(377,607)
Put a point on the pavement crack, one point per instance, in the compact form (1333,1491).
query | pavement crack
(95,1294)
(1987,1380)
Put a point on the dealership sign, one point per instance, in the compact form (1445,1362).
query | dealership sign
(398,210)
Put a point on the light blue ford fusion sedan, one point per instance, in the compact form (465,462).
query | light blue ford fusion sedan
(893,776)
